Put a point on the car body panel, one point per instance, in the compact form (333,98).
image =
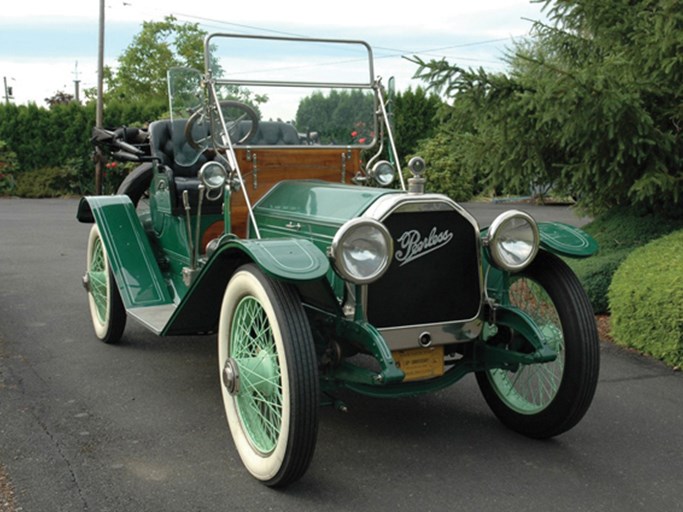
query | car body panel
(566,240)
(131,257)
(295,261)
(154,297)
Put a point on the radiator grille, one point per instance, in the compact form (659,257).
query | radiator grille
(434,276)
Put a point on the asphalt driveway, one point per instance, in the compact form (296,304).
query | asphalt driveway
(140,427)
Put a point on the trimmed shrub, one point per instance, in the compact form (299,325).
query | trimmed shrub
(48,182)
(596,274)
(618,232)
(646,300)
(8,166)
(74,178)
(444,173)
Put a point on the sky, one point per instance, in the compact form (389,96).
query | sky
(46,45)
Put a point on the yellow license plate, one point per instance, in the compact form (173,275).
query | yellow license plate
(420,363)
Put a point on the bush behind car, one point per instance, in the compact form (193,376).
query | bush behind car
(646,299)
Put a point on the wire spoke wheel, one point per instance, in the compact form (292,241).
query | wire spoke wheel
(546,399)
(532,388)
(269,377)
(254,351)
(136,187)
(106,308)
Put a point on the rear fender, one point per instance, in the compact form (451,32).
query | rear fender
(132,260)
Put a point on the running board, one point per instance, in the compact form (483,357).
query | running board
(154,318)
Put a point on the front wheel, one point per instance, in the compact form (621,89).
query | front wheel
(106,307)
(545,400)
(269,377)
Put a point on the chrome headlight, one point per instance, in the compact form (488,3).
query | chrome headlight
(361,250)
(383,173)
(417,166)
(213,175)
(513,240)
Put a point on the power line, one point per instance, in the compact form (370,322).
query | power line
(397,53)
(451,47)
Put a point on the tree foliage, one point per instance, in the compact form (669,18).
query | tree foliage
(414,119)
(339,117)
(593,103)
(160,45)
(59,98)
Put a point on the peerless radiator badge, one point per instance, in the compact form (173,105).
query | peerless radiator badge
(414,245)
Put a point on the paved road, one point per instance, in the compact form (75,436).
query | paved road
(139,427)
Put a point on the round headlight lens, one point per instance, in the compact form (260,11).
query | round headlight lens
(417,166)
(383,173)
(513,240)
(362,250)
(213,175)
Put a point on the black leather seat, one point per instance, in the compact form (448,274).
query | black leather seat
(270,133)
(168,144)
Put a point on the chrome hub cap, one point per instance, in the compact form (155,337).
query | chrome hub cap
(231,377)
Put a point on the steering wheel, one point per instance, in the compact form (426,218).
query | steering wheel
(234,112)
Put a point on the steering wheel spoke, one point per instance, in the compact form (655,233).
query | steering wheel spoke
(235,114)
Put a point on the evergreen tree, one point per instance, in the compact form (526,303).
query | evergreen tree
(593,104)
(414,119)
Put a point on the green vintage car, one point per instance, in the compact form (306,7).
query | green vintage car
(271,211)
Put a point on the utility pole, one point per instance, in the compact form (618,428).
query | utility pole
(77,84)
(8,90)
(99,113)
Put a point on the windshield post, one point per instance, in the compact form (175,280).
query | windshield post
(230,151)
(390,133)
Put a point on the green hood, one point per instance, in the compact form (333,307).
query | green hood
(321,200)
(318,206)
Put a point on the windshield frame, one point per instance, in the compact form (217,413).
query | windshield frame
(369,84)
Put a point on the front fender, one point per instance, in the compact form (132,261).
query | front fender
(287,259)
(565,240)
(562,240)
(295,261)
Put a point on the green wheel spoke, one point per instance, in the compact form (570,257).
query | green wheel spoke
(253,348)
(263,420)
(106,307)
(97,275)
(531,388)
(269,376)
(256,378)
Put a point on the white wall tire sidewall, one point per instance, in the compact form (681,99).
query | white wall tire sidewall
(101,327)
(262,467)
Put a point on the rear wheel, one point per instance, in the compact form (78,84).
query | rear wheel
(136,186)
(106,308)
(545,400)
(269,376)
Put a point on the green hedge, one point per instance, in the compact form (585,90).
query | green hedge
(46,152)
(596,274)
(43,138)
(48,182)
(646,299)
(618,232)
